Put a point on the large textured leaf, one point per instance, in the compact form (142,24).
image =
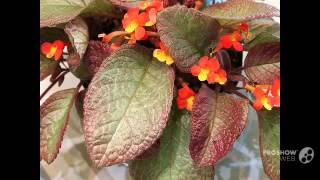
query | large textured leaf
(53,12)
(127,105)
(173,161)
(240,10)
(269,34)
(96,53)
(187,33)
(217,121)
(97,7)
(78,34)
(54,115)
(270,142)
(47,67)
(262,63)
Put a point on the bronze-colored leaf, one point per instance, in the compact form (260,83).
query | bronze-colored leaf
(262,63)
(217,121)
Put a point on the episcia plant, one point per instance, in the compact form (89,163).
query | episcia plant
(165,86)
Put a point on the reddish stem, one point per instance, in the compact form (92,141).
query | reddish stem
(53,83)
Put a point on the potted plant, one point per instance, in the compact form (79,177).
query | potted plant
(161,81)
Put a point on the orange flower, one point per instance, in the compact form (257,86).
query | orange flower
(209,69)
(275,91)
(243,27)
(151,8)
(55,49)
(162,54)
(156,4)
(231,40)
(134,22)
(266,95)
(185,97)
(262,99)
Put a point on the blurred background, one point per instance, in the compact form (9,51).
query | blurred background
(242,162)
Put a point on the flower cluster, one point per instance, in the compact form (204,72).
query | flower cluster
(234,39)
(210,70)
(185,97)
(134,23)
(53,49)
(162,54)
(266,96)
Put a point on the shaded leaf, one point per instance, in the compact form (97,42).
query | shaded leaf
(78,34)
(151,151)
(127,105)
(224,60)
(50,34)
(173,160)
(262,63)
(54,115)
(79,104)
(53,12)
(187,33)
(270,141)
(217,121)
(47,67)
(234,11)
(270,33)
(96,53)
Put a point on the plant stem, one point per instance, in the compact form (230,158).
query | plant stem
(53,83)
(79,85)
(239,69)
(64,65)
(154,34)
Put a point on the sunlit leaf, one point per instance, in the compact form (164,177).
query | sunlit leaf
(127,105)
(187,33)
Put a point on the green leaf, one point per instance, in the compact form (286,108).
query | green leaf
(54,115)
(234,11)
(127,105)
(187,33)
(53,12)
(47,67)
(217,121)
(97,7)
(262,63)
(269,33)
(270,141)
(78,34)
(173,161)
